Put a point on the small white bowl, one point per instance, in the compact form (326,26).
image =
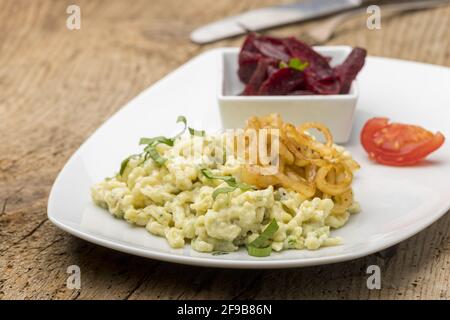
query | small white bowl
(335,111)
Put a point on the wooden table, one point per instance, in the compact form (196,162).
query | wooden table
(58,86)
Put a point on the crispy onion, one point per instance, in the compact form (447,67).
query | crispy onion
(341,202)
(333,188)
(306,165)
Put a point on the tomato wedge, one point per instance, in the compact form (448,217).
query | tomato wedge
(397,144)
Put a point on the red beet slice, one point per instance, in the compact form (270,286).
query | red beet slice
(267,46)
(347,71)
(322,82)
(271,69)
(256,48)
(282,82)
(248,44)
(247,65)
(259,61)
(271,47)
(257,78)
(301,50)
(320,77)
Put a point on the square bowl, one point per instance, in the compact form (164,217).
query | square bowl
(335,111)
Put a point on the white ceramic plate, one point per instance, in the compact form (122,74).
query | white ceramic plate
(396,202)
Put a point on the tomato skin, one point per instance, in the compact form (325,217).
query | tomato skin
(398,144)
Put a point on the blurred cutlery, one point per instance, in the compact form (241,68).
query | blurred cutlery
(325,30)
(269,17)
(263,18)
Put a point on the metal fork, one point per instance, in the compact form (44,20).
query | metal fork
(326,30)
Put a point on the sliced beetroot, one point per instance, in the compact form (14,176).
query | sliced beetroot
(256,48)
(347,71)
(320,77)
(259,68)
(271,69)
(258,77)
(271,47)
(322,82)
(249,43)
(282,82)
(247,65)
(301,50)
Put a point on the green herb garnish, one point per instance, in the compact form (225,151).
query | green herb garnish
(294,63)
(287,209)
(222,190)
(124,164)
(230,180)
(264,237)
(151,143)
(297,64)
(151,152)
(183,120)
(157,140)
(198,133)
(259,252)
(261,246)
(164,140)
(282,64)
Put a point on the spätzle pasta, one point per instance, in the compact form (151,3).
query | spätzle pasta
(175,201)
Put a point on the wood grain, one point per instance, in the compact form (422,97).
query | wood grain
(58,86)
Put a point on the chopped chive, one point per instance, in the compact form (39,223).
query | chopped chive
(154,154)
(151,143)
(259,252)
(264,237)
(222,190)
(294,63)
(124,163)
(157,140)
(297,64)
(287,209)
(282,64)
(197,133)
(230,180)
(183,120)
(245,187)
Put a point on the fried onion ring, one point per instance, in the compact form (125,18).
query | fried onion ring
(305,165)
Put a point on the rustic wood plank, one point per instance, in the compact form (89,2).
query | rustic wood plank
(58,86)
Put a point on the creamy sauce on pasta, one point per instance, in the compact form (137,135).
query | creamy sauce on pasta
(175,201)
